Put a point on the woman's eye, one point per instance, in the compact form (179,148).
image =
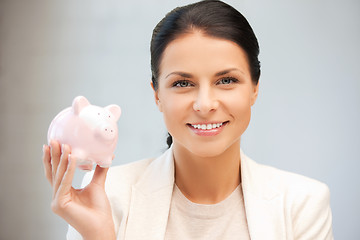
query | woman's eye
(227,80)
(182,84)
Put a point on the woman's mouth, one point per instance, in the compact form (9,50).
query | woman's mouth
(207,129)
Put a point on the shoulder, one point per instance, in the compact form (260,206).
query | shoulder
(294,182)
(305,201)
(285,182)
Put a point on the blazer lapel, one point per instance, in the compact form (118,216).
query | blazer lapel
(263,204)
(150,200)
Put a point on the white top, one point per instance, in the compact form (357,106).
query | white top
(223,220)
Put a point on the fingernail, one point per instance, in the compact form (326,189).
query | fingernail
(62,147)
(69,159)
(44,146)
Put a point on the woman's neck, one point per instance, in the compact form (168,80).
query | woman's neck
(207,180)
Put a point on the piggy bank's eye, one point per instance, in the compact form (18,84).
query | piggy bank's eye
(109,116)
(99,114)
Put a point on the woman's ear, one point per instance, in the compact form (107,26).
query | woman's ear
(254,94)
(156,96)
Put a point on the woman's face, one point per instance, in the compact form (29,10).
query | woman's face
(205,93)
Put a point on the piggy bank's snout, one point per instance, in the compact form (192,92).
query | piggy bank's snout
(110,130)
(107,132)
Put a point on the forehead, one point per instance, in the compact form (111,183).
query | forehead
(200,54)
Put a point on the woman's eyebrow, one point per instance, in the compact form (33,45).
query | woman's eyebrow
(182,74)
(227,71)
(188,75)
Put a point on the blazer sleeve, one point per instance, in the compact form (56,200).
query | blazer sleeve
(312,215)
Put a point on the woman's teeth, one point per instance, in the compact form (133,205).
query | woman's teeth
(207,126)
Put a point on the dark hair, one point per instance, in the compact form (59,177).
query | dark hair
(213,18)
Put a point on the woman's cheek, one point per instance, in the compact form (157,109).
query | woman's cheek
(173,107)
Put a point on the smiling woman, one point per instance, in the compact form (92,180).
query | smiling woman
(205,72)
(205,81)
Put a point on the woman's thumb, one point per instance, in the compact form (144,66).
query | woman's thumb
(100,175)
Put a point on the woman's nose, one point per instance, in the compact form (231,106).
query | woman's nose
(205,101)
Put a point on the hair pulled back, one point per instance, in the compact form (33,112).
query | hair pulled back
(213,18)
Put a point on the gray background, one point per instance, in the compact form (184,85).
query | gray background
(305,120)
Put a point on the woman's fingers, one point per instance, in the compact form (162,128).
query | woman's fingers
(65,185)
(47,163)
(100,175)
(55,157)
(63,165)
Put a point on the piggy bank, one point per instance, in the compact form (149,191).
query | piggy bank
(89,130)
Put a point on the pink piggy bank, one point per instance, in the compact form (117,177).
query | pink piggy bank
(91,131)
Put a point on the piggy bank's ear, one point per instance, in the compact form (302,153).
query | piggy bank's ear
(115,110)
(79,103)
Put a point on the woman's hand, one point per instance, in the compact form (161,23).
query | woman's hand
(88,209)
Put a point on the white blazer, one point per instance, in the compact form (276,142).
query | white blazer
(279,205)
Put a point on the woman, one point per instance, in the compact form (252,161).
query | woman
(204,59)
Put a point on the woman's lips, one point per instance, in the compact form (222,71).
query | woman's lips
(207,129)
